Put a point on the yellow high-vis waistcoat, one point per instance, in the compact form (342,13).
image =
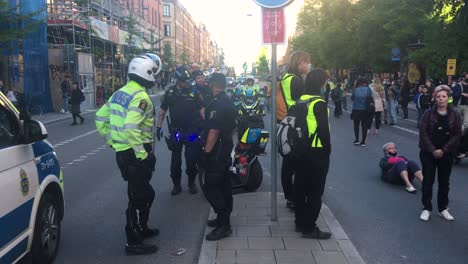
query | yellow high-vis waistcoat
(286,86)
(127,119)
(312,121)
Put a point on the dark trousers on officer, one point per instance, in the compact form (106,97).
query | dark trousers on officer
(138,174)
(443,168)
(309,184)
(192,152)
(217,186)
(287,171)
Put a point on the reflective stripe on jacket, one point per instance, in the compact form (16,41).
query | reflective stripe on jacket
(127,119)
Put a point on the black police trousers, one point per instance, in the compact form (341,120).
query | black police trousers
(309,185)
(287,172)
(138,174)
(192,153)
(217,185)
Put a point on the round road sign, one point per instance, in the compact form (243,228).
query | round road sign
(272,3)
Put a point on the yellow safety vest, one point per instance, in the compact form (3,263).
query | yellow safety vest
(127,119)
(286,87)
(312,121)
(254,88)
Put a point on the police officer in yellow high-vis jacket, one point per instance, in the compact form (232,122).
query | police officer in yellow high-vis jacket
(126,122)
(311,169)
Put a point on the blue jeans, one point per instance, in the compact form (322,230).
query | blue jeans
(393,111)
(65,104)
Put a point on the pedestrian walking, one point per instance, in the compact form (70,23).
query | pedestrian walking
(405,96)
(337,97)
(464,99)
(398,169)
(216,158)
(126,122)
(393,96)
(378,95)
(76,98)
(292,88)
(312,167)
(66,89)
(439,135)
(362,107)
(186,114)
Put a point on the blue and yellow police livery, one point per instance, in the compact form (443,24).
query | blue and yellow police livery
(31,189)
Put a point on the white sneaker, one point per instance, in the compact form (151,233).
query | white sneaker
(446,215)
(62,111)
(410,189)
(425,215)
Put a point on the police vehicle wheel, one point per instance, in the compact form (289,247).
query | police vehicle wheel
(255,176)
(46,238)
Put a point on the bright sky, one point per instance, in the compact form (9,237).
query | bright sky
(237,33)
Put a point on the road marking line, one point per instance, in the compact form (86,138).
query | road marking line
(74,138)
(77,160)
(83,157)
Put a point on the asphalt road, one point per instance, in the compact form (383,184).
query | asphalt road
(382,220)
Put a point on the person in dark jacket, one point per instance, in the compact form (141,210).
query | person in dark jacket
(405,97)
(312,167)
(76,98)
(397,169)
(439,135)
(361,97)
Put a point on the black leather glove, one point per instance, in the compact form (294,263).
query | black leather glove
(159,133)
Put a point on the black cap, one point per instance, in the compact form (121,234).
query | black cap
(197,73)
(219,79)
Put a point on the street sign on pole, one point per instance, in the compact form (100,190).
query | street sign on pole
(274,32)
(273,3)
(273,26)
(451,67)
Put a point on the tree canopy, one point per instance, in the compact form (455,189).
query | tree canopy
(359,34)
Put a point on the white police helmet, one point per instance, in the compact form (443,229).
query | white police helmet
(145,67)
(156,60)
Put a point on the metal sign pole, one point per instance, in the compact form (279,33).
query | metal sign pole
(274,214)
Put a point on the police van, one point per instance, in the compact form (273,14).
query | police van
(31,189)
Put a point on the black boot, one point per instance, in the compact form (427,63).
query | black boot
(135,244)
(219,233)
(145,231)
(212,223)
(193,188)
(176,190)
(316,233)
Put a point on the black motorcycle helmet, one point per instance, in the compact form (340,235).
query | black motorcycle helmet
(182,74)
(250,81)
(197,73)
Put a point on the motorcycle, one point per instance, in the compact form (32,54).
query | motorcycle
(247,172)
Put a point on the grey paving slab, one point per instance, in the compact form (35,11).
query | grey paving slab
(258,256)
(294,257)
(330,245)
(266,243)
(329,257)
(263,231)
(257,239)
(226,256)
(284,231)
(233,243)
(301,243)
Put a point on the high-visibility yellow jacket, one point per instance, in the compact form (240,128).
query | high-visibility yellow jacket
(286,86)
(312,121)
(127,119)
(255,89)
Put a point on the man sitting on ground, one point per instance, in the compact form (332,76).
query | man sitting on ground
(398,169)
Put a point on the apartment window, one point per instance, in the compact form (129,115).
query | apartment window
(167,30)
(166,11)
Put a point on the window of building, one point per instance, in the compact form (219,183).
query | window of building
(166,11)
(167,30)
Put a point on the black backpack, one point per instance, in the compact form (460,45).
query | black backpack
(293,135)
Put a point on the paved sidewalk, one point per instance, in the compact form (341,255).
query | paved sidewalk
(53,117)
(255,239)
